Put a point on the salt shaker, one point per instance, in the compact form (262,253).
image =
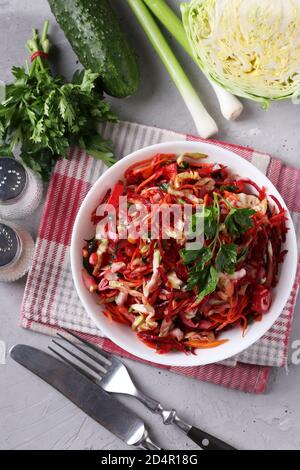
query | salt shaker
(16,251)
(20,189)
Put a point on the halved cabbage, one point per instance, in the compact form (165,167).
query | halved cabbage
(250,47)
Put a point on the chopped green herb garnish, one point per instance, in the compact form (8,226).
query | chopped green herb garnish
(226,258)
(205,263)
(229,187)
(202,256)
(243,255)
(238,221)
(164,186)
(211,283)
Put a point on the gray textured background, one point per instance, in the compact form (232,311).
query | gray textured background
(32,415)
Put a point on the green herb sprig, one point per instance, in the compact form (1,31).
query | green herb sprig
(45,116)
(205,263)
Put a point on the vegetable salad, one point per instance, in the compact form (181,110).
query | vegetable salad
(172,296)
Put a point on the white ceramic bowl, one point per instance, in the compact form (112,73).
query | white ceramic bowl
(123,336)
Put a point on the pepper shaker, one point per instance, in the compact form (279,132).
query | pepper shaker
(16,251)
(20,189)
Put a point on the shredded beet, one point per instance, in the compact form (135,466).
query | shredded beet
(177,299)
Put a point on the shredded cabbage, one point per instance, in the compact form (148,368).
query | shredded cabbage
(250,47)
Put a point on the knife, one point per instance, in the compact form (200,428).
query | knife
(91,399)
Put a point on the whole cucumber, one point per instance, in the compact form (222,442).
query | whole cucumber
(96,36)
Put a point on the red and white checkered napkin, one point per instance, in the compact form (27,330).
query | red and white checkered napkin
(50,300)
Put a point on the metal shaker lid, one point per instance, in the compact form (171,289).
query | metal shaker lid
(13,179)
(9,245)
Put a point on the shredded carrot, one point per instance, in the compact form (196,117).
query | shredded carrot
(179,306)
(205,345)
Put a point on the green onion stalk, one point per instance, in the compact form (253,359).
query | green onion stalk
(205,124)
(230,106)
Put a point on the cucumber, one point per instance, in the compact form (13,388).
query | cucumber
(96,36)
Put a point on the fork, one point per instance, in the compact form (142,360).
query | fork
(112,375)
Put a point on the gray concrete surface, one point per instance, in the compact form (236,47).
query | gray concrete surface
(32,415)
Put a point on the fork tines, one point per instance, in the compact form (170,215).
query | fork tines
(86,367)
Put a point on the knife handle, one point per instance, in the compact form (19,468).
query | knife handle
(201,438)
(206,441)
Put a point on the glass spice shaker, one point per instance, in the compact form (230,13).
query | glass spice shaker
(20,189)
(16,251)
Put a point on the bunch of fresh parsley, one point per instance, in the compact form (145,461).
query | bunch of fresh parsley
(205,263)
(44,116)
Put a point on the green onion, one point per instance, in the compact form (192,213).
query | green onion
(230,106)
(171,22)
(205,124)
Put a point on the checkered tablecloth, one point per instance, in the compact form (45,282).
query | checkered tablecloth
(50,300)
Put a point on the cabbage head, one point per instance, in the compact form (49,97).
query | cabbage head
(250,47)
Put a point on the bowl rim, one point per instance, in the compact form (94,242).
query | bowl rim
(174,359)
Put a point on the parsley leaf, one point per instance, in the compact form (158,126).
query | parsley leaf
(243,254)
(188,256)
(226,258)
(164,187)
(99,148)
(229,187)
(210,222)
(210,284)
(197,278)
(198,271)
(203,264)
(201,256)
(201,274)
(238,221)
(206,221)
